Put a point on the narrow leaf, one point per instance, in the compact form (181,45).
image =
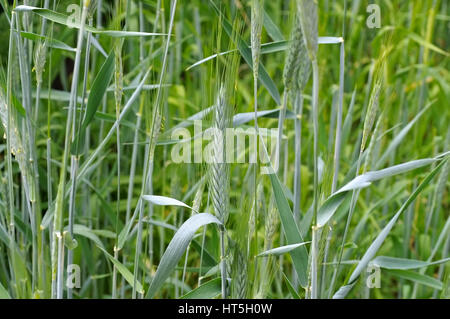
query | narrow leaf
(52,43)
(95,99)
(124,272)
(329,207)
(4,293)
(291,288)
(376,244)
(417,277)
(164,201)
(293,236)
(209,290)
(67,21)
(281,250)
(242,118)
(403,263)
(177,247)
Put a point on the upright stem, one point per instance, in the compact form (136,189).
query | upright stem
(223,269)
(337,144)
(337,151)
(149,159)
(32,182)
(314,261)
(114,278)
(58,218)
(60,279)
(314,244)
(8,153)
(74,159)
(281,118)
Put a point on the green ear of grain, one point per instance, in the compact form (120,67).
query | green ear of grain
(329,207)
(308,21)
(297,66)
(94,101)
(376,244)
(293,236)
(208,290)
(177,247)
(164,201)
(88,233)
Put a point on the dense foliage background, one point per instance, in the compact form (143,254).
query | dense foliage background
(87,123)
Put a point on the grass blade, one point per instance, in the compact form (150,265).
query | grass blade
(164,201)
(417,278)
(95,99)
(177,247)
(65,20)
(293,236)
(329,207)
(403,263)
(281,250)
(209,290)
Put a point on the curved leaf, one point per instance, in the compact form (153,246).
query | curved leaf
(177,247)
(209,290)
(293,236)
(329,207)
(376,244)
(281,250)
(164,201)
(308,21)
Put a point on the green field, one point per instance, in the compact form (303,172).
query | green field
(224,149)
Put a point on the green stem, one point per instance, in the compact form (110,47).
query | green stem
(8,154)
(58,218)
(314,244)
